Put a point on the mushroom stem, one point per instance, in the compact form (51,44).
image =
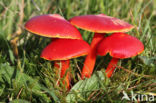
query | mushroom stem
(91,57)
(111,66)
(63,67)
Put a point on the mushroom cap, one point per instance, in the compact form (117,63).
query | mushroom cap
(100,23)
(120,45)
(53,26)
(64,49)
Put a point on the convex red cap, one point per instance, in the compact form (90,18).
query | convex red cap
(120,45)
(52,25)
(100,23)
(64,49)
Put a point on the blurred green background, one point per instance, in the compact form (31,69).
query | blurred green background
(25,77)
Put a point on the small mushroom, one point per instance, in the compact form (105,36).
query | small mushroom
(100,24)
(64,50)
(53,26)
(119,46)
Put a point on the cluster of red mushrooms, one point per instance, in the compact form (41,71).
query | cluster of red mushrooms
(67,42)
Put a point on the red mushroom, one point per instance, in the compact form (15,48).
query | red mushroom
(53,26)
(100,24)
(119,46)
(63,50)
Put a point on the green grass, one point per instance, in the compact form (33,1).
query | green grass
(28,78)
